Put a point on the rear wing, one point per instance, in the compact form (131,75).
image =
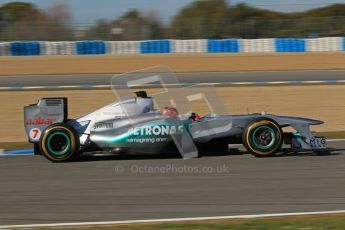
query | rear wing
(46,112)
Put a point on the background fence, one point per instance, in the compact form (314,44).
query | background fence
(330,44)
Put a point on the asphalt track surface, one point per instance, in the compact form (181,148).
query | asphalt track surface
(105,79)
(35,191)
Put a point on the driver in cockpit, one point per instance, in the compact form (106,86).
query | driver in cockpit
(171,111)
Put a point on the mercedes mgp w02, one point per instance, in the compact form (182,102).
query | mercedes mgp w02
(133,125)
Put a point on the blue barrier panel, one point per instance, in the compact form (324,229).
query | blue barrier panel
(90,47)
(343,44)
(25,48)
(290,45)
(155,46)
(223,46)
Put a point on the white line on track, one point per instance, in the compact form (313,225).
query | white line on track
(278,82)
(171,220)
(335,140)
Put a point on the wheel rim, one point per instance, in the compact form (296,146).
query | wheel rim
(59,143)
(264,137)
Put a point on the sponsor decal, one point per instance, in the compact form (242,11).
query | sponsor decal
(318,143)
(103,126)
(157,130)
(151,140)
(40,121)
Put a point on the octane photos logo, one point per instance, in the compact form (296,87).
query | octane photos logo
(142,169)
(168,91)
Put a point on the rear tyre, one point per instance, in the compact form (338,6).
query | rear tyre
(59,143)
(263,138)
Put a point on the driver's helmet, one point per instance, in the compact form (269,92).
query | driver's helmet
(195,117)
(170,111)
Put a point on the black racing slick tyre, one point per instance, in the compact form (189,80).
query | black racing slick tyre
(59,143)
(263,138)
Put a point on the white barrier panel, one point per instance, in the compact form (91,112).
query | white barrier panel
(325,44)
(58,48)
(257,45)
(4,48)
(123,47)
(189,46)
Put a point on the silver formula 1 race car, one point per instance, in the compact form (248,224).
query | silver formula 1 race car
(134,126)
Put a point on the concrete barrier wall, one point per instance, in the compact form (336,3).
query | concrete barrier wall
(173,46)
(325,44)
(189,46)
(58,48)
(4,48)
(257,45)
(123,47)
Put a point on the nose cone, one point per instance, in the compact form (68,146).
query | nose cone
(312,121)
(308,121)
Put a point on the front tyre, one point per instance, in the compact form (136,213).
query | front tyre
(59,143)
(263,138)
